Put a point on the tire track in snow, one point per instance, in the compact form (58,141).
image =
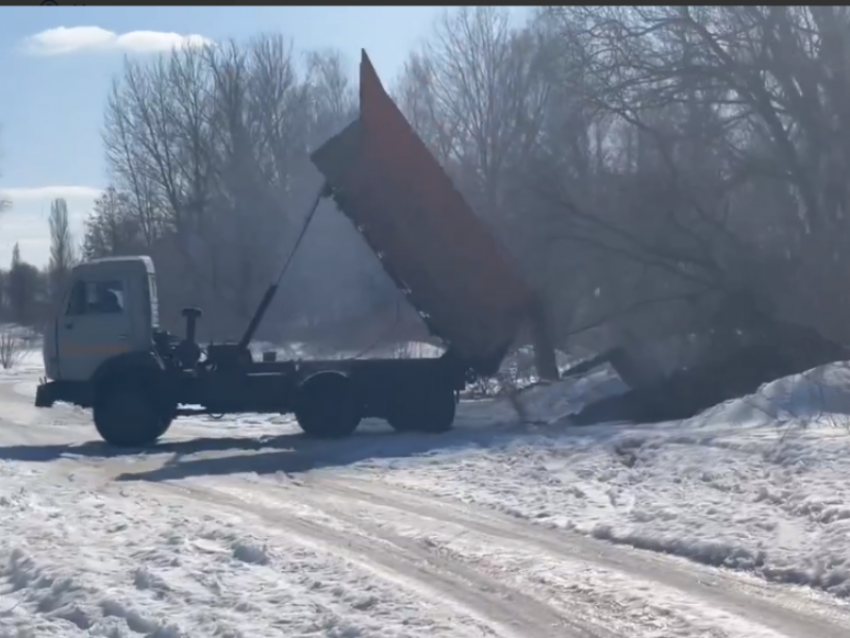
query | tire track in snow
(772,607)
(586,614)
(596,600)
(505,612)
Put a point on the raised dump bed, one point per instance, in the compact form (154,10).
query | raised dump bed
(437,250)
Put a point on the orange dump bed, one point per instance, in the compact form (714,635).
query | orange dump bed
(435,248)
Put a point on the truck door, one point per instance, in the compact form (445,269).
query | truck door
(96,325)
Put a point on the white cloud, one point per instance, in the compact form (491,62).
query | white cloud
(49,192)
(26,221)
(70,40)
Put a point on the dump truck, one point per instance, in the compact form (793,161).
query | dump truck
(105,350)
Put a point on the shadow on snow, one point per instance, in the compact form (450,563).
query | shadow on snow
(288,453)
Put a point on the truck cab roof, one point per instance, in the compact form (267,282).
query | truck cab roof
(131,263)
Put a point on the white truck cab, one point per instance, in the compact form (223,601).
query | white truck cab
(109,309)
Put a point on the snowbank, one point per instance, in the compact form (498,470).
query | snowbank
(757,484)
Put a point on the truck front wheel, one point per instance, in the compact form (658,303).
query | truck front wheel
(126,415)
(327,406)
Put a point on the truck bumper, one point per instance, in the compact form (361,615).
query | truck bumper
(46,395)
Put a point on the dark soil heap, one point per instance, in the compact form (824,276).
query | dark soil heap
(753,356)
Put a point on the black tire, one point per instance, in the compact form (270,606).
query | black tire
(430,409)
(126,415)
(327,406)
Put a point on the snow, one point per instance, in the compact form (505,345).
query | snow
(165,568)
(218,533)
(756,484)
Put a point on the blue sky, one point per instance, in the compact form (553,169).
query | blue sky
(53,86)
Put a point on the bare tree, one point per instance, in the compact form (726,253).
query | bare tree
(11,348)
(477,91)
(209,154)
(113,228)
(23,289)
(62,249)
(741,109)
(4,203)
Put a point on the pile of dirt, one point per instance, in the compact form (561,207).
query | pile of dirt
(766,353)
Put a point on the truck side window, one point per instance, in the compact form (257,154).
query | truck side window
(77,300)
(96,298)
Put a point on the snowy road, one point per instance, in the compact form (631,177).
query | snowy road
(246,529)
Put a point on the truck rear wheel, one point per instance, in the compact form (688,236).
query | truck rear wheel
(126,415)
(327,406)
(429,408)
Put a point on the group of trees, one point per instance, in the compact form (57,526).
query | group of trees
(29,294)
(653,170)
(208,151)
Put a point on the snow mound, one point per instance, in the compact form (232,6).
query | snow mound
(819,393)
